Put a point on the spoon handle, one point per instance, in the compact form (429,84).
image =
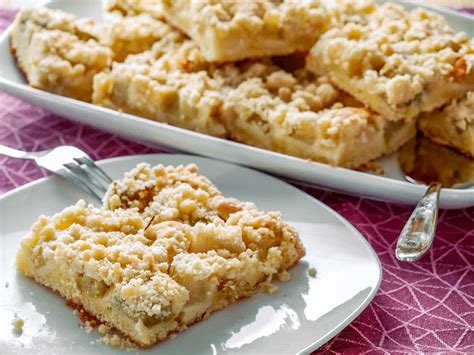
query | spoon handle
(13,153)
(420,229)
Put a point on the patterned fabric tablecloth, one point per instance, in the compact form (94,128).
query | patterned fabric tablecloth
(424,306)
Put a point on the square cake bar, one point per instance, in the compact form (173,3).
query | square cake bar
(235,30)
(399,63)
(57,52)
(180,252)
(307,116)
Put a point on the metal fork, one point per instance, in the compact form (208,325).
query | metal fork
(70,163)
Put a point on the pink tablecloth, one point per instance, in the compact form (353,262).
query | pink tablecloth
(424,306)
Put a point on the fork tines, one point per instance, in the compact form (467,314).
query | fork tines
(89,175)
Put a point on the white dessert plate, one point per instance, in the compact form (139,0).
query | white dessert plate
(391,188)
(302,315)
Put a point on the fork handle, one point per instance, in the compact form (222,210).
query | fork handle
(14,153)
(419,232)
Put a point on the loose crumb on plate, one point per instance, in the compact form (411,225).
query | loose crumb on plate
(115,340)
(88,327)
(103,329)
(112,340)
(284,276)
(312,272)
(17,324)
(7,284)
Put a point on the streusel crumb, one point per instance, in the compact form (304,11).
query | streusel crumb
(312,272)
(136,7)
(17,324)
(132,34)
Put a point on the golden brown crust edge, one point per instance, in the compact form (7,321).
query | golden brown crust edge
(17,61)
(85,312)
(444,143)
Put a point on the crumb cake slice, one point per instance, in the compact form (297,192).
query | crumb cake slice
(168,84)
(306,116)
(400,63)
(180,253)
(452,125)
(234,30)
(349,11)
(57,52)
(131,34)
(187,100)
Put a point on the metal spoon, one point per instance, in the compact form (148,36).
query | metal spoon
(424,162)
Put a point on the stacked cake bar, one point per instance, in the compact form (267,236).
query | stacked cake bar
(336,81)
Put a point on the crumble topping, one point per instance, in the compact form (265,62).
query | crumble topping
(30,21)
(107,251)
(140,185)
(227,15)
(174,51)
(304,115)
(51,19)
(299,89)
(349,11)
(88,327)
(136,7)
(132,34)
(65,48)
